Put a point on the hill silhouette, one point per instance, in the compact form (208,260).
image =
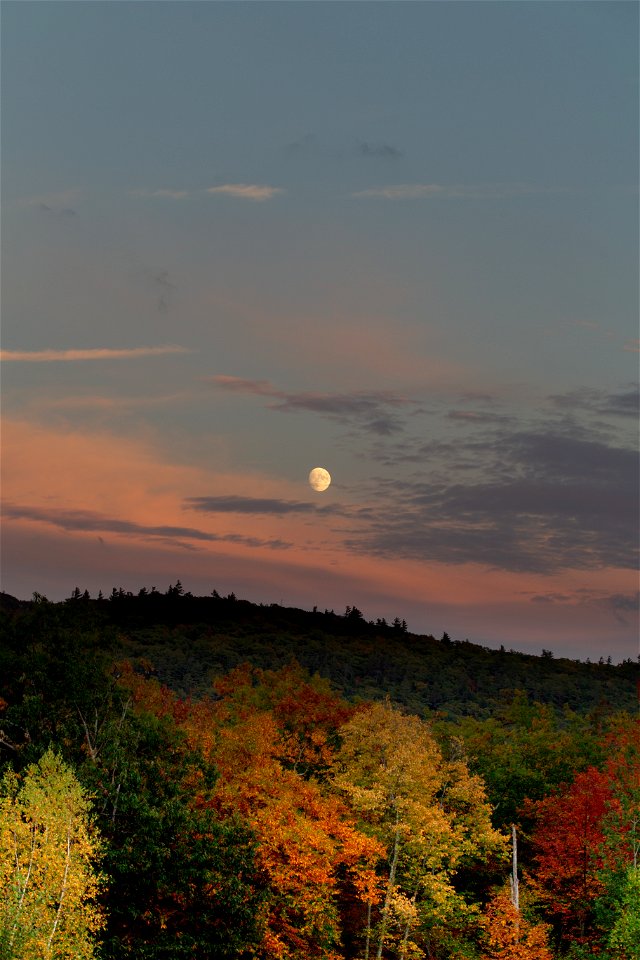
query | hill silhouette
(190,640)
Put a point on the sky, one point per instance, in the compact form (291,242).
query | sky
(396,240)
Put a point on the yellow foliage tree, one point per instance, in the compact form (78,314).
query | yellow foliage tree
(430,813)
(48,878)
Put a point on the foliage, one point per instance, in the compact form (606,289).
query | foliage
(508,935)
(624,937)
(300,805)
(568,862)
(266,732)
(179,880)
(431,815)
(586,838)
(622,822)
(49,881)
(525,751)
(192,639)
(196,893)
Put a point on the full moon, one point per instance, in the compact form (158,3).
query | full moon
(319,479)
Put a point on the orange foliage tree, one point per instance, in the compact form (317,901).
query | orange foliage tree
(508,935)
(270,735)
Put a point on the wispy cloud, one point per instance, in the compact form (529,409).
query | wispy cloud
(438,191)
(60,204)
(623,403)
(378,151)
(475,416)
(622,605)
(241,385)
(93,353)
(242,191)
(90,521)
(374,410)
(246,191)
(552,598)
(162,194)
(52,212)
(306,144)
(164,289)
(309,145)
(255,505)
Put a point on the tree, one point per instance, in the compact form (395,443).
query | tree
(569,860)
(430,814)
(508,935)
(624,938)
(622,821)
(618,910)
(183,883)
(271,736)
(49,881)
(526,751)
(306,710)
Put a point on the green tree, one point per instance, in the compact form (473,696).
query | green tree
(624,938)
(525,751)
(49,882)
(182,882)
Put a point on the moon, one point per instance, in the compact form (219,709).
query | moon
(319,479)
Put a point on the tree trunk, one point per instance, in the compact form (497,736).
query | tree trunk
(515,892)
(390,886)
(407,929)
(368,940)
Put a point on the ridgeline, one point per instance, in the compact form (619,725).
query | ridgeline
(188,641)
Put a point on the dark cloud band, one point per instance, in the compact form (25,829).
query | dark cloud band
(89,521)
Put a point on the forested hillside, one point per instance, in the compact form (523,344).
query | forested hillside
(191,640)
(205,777)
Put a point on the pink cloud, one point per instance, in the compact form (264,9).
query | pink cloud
(247,191)
(97,510)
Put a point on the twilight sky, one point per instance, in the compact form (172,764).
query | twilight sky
(397,240)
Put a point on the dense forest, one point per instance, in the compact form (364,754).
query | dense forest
(203,777)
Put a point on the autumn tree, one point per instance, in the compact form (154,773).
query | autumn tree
(569,859)
(508,935)
(269,738)
(622,819)
(431,816)
(269,734)
(307,712)
(49,880)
